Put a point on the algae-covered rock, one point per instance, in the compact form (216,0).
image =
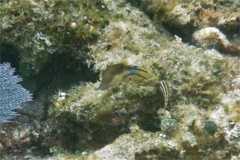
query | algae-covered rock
(184,17)
(129,120)
(197,80)
(40,30)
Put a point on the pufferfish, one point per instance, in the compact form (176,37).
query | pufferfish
(115,74)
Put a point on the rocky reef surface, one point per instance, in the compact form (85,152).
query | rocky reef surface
(60,47)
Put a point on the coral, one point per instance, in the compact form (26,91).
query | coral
(12,94)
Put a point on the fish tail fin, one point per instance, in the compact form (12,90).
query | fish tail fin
(142,73)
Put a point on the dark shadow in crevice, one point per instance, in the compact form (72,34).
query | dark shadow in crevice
(9,54)
(59,74)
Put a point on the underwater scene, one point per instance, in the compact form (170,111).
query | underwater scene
(119,80)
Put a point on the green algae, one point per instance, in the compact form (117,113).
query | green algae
(39,30)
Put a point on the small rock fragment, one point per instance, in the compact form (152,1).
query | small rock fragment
(212,37)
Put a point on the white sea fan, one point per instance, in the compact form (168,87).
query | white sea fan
(12,94)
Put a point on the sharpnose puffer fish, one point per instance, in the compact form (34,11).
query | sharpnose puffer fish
(115,74)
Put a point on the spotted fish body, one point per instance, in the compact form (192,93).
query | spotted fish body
(115,74)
